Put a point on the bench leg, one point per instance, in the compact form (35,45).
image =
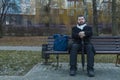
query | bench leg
(117,60)
(46,60)
(46,57)
(56,65)
(57,57)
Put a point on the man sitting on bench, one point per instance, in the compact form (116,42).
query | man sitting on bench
(81,32)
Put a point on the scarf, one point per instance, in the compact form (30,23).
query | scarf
(81,26)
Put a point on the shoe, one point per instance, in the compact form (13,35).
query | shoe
(72,72)
(91,73)
(73,68)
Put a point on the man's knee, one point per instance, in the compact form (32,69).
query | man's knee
(75,45)
(89,46)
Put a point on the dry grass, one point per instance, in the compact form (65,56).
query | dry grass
(23,41)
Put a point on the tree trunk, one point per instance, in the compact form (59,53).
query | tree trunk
(114,15)
(95,18)
(85,9)
(1,31)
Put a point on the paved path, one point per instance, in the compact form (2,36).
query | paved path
(23,48)
(48,72)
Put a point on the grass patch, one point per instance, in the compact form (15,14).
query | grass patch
(18,62)
(99,58)
(105,58)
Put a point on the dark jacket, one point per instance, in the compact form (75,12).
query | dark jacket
(76,37)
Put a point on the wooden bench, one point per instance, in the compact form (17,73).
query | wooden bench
(102,45)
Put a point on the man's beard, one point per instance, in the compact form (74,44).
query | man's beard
(80,24)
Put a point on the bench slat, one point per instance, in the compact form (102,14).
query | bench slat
(97,52)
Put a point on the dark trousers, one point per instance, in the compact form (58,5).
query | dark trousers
(75,48)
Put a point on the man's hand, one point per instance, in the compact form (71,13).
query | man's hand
(81,34)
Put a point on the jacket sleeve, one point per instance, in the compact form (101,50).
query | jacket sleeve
(75,33)
(88,32)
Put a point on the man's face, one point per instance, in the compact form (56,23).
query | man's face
(81,20)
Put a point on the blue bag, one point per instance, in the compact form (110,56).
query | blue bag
(60,42)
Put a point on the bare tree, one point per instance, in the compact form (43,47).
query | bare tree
(118,16)
(45,8)
(85,9)
(114,21)
(4,5)
(95,17)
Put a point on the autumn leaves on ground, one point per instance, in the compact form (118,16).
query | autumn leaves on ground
(23,41)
